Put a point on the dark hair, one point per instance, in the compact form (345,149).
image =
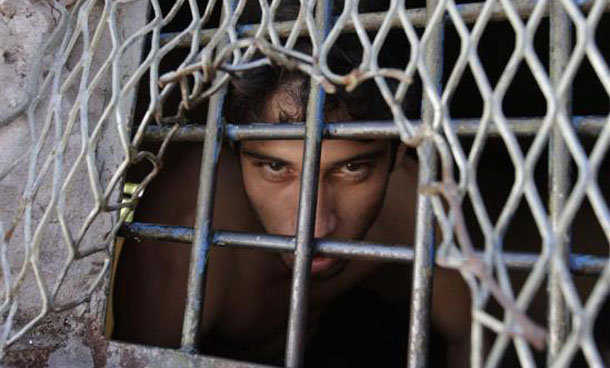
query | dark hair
(250,90)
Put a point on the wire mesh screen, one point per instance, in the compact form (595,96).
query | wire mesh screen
(87,55)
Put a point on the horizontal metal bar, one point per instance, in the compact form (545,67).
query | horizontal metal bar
(524,127)
(276,243)
(581,264)
(372,21)
(130,355)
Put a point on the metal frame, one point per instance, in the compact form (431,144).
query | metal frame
(312,131)
(580,264)
(524,127)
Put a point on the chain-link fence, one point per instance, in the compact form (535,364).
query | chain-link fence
(81,92)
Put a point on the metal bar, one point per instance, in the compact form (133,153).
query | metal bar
(523,127)
(201,240)
(559,177)
(372,21)
(295,344)
(580,264)
(423,264)
(306,221)
(305,229)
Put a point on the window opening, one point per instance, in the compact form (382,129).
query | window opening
(538,111)
(525,116)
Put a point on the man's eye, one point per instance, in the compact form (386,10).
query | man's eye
(354,166)
(274,170)
(355,170)
(275,166)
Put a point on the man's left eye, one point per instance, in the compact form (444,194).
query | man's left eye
(354,166)
(355,169)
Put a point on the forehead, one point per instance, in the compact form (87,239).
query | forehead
(286,104)
(333,151)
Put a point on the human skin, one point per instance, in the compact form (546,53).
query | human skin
(152,276)
(353,177)
(247,293)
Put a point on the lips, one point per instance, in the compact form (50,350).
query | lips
(321,264)
(322,267)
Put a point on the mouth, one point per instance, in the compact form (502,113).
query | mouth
(322,267)
(321,264)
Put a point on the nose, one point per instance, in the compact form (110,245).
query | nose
(326,213)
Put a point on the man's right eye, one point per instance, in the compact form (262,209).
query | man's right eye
(274,170)
(275,166)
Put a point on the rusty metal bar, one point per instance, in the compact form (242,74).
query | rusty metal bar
(524,127)
(580,264)
(306,221)
(372,21)
(559,176)
(203,220)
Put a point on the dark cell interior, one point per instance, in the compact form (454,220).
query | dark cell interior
(349,329)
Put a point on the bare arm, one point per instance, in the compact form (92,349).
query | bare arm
(451,315)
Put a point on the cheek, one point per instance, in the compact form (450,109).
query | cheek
(359,207)
(274,203)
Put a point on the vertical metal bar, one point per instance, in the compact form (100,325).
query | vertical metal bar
(202,240)
(295,344)
(423,264)
(559,175)
(305,229)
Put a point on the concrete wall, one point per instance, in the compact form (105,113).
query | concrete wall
(74,337)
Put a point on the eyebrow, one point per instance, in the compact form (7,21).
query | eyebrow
(362,156)
(358,157)
(261,156)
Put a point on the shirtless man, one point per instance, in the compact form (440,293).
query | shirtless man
(247,294)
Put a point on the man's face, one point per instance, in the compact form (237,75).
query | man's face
(352,182)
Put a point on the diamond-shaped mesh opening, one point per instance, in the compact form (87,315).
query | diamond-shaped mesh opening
(94,265)
(467,87)
(170,108)
(494,55)
(372,6)
(184,14)
(524,97)
(604,180)
(524,226)
(494,157)
(536,311)
(589,95)
(602,30)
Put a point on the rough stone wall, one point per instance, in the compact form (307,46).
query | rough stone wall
(74,337)
(24,27)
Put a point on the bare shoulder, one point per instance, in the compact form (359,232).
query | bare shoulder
(450,304)
(151,277)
